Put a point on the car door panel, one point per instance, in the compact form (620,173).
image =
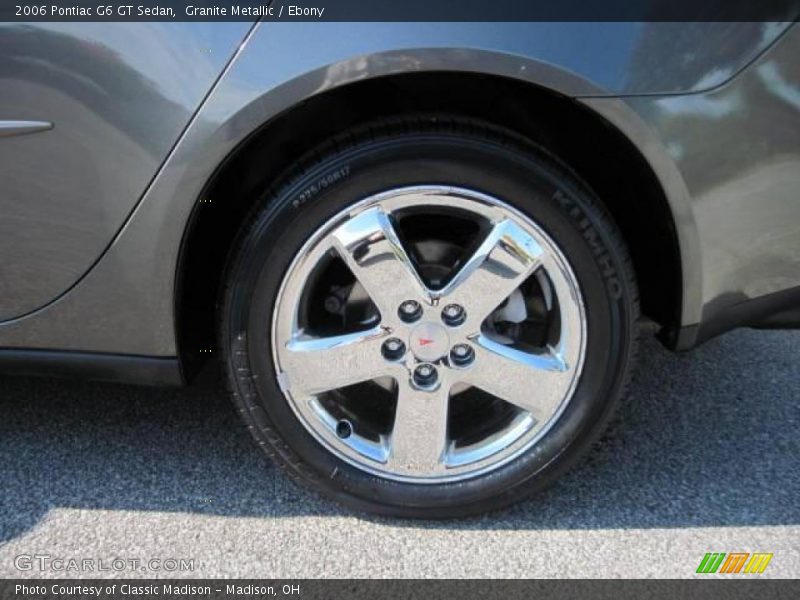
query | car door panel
(110,99)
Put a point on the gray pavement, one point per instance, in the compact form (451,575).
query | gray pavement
(704,456)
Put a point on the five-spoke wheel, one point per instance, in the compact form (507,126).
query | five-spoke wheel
(428,318)
(430,340)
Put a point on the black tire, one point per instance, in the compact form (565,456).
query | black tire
(408,151)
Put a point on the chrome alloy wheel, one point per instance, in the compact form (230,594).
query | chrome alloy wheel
(429,334)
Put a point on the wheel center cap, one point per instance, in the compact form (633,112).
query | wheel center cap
(429,341)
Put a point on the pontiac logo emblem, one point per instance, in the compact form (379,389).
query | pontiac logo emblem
(429,341)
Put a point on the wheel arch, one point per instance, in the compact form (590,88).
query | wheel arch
(620,174)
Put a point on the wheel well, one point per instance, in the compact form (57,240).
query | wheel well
(593,148)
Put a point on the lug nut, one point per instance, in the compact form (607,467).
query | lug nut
(410,311)
(344,429)
(462,355)
(393,349)
(425,375)
(453,315)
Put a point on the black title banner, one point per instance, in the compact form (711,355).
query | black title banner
(399,10)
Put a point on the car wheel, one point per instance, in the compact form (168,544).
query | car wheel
(428,317)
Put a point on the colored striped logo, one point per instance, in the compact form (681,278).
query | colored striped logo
(735,562)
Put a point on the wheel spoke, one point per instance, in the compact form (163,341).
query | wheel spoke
(503,261)
(315,365)
(419,434)
(371,248)
(536,383)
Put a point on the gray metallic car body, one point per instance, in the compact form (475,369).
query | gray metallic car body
(94,210)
